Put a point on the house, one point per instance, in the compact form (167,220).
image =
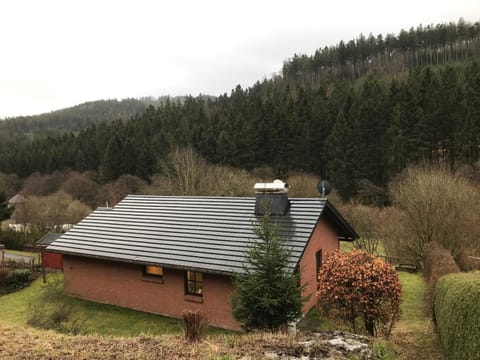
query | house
(18,202)
(167,254)
(49,259)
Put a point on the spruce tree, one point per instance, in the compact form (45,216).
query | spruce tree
(267,293)
(342,158)
(468,134)
(111,167)
(80,162)
(5,211)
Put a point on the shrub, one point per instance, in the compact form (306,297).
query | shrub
(437,262)
(357,286)
(194,325)
(52,309)
(19,278)
(4,276)
(13,240)
(457,314)
(434,205)
(15,280)
(5,211)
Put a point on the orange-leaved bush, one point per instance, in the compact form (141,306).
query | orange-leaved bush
(359,286)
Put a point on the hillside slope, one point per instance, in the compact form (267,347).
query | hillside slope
(358,130)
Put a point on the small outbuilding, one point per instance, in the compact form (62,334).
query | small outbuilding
(168,254)
(51,260)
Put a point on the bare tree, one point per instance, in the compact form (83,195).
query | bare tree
(365,219)
(52,211)
(303,185)
(9,184)
(184,172)
(115,191)
(40,185)
(81,187)
(432,204)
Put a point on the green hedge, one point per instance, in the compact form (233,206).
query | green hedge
(437,262)
(457,314)
(13,240)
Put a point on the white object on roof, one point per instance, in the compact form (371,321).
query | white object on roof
(276,186)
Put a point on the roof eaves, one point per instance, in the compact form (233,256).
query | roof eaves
(341,219)
(140,262)
(308,241)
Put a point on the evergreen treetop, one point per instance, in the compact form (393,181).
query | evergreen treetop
(268,293)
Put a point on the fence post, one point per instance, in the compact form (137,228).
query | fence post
(43,266)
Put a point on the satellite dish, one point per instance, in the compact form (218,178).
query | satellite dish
(324,187)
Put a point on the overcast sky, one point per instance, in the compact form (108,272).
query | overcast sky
(55,54)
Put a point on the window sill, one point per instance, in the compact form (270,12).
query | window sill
(153,279)
(193,298)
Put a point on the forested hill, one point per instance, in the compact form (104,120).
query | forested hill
(359,131)
(425,45)
(81,116)
(74,118)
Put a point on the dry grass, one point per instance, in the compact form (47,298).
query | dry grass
(417,343)
(29,343)
(412,337)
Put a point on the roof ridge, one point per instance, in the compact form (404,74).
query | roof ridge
(212,197)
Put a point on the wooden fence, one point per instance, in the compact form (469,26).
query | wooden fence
(402,263)
(9,263)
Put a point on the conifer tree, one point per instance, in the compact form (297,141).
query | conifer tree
(372,125)
(80,161)
(342,156)
(469,131)
(111,167)
(267,293)
(5,211)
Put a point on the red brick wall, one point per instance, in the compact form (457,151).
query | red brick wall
(52,260)
(325,238)
(122,284)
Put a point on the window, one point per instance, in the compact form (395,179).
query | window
(318,261)
(154,273)
(194,283)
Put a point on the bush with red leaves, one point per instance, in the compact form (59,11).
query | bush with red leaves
(358,286)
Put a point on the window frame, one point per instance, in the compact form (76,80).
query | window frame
(318,263)
(195,281)
(147,276)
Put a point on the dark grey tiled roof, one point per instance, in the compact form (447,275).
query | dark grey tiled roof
(204,233)
(49,238)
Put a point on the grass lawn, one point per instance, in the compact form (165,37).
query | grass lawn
(412,335)
(95,318)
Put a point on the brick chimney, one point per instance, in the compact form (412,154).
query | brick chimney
(272,198)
